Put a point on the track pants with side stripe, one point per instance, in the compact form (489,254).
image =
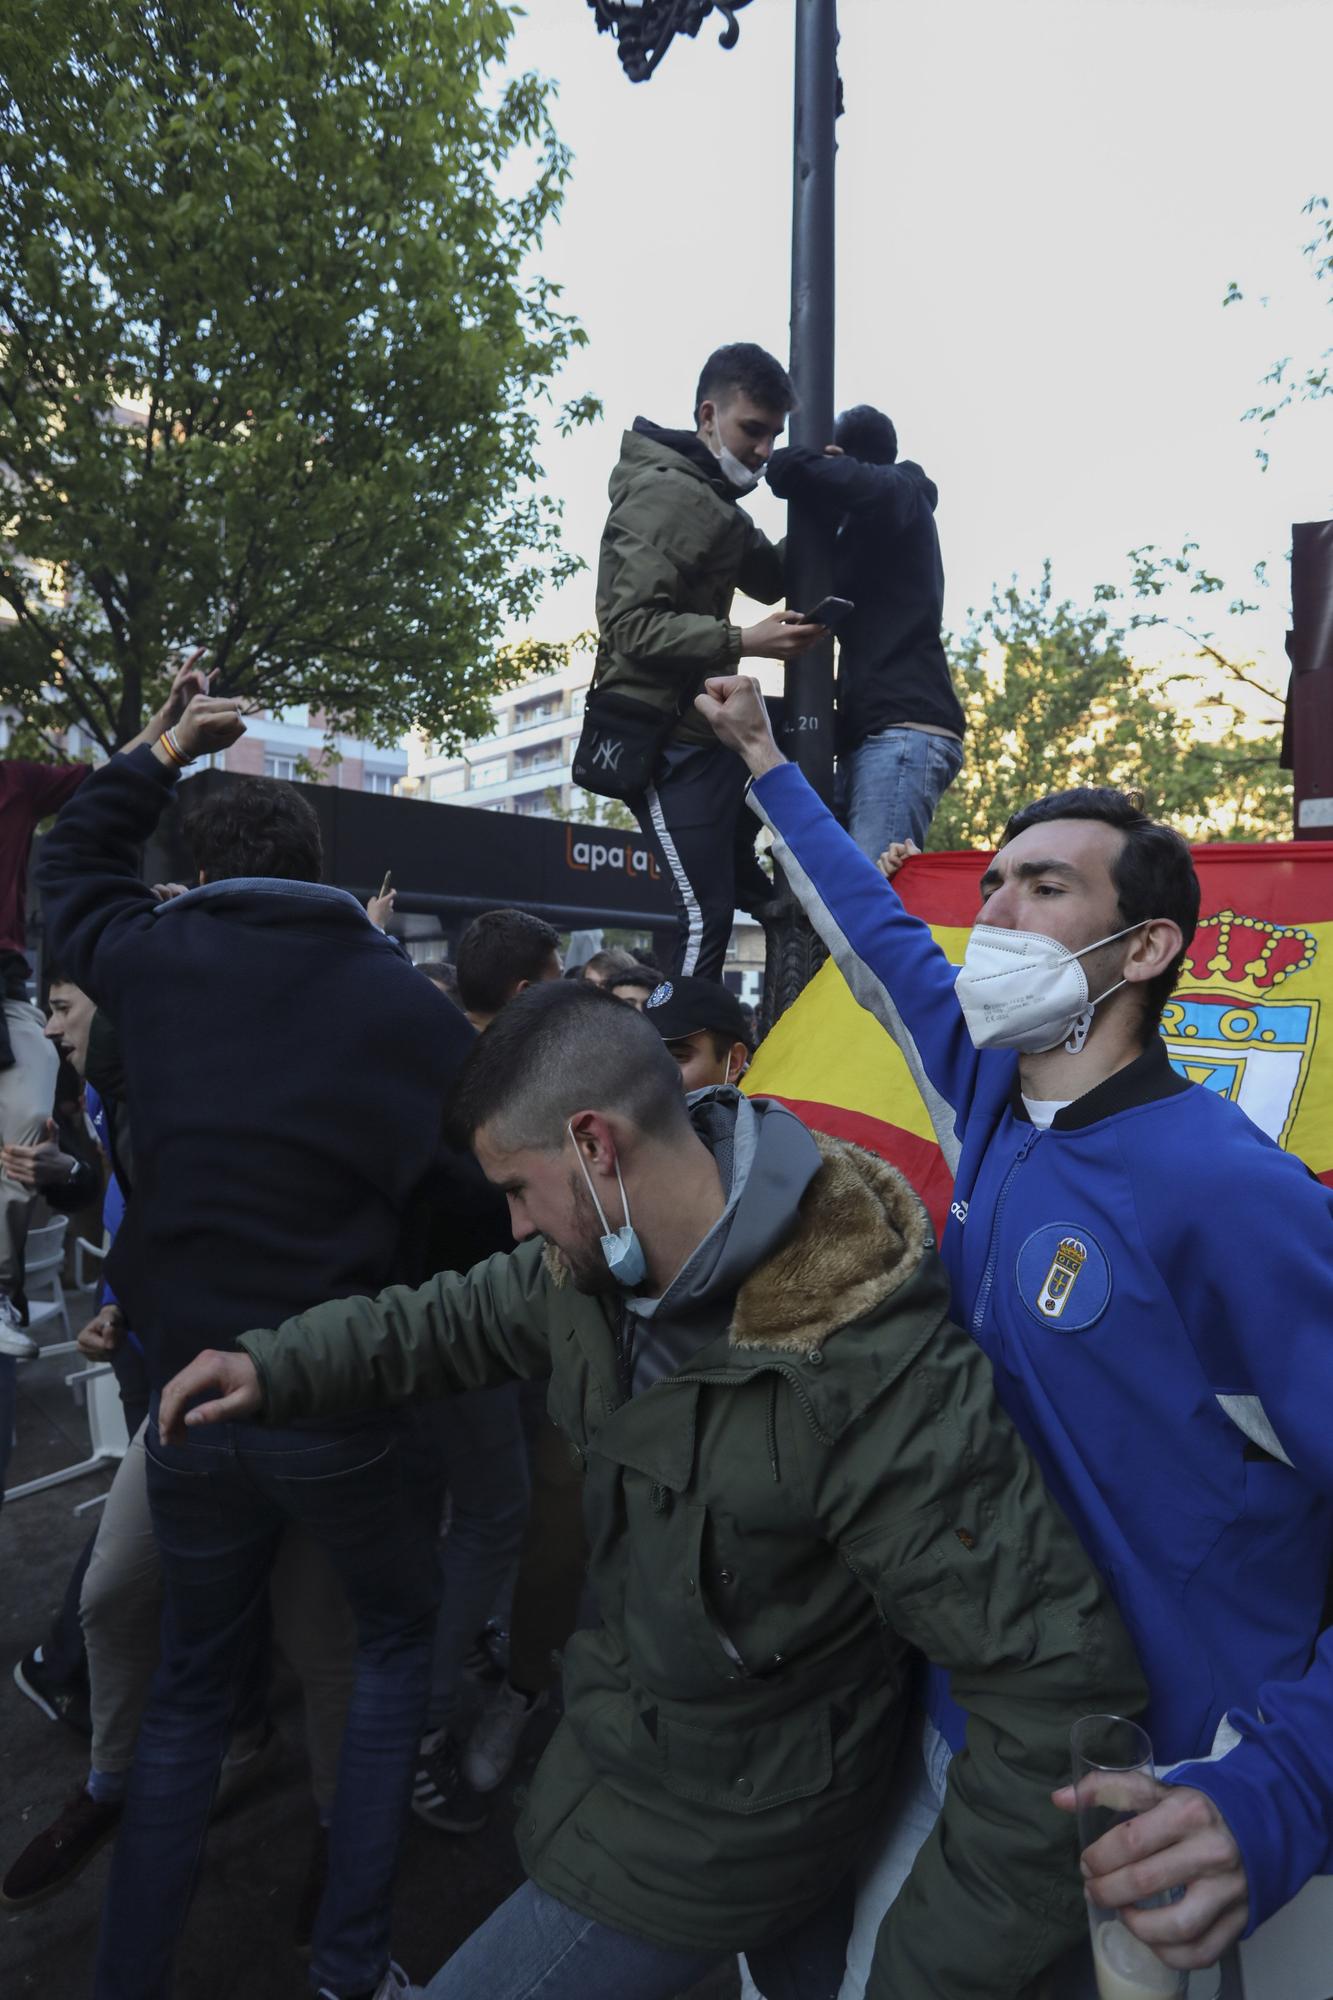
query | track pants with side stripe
(696,817)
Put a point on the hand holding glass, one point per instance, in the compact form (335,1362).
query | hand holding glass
(1113,1781)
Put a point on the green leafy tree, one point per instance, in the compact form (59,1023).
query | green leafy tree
(1054,698)
(271,353)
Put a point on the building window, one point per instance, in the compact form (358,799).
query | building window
(448,784)
(578,701)
(532,712)
(280,767)
(297,716)
(382,782)
(542,757)
(489,774)
(532,805)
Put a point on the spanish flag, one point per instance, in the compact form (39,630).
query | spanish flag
(1251,1018)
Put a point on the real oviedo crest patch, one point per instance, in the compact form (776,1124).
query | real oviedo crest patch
(1064,1278)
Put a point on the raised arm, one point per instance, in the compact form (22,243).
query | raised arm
(95,902)
(889,959)
(843,485)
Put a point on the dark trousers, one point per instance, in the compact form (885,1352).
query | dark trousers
(219,1504)
(696,817)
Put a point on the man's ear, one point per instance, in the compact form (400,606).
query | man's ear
(1153,950)
(595,1141)
(736,1062)
(707,412)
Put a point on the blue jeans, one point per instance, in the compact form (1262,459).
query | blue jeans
(535,1948)
(219,1503)
(892,783)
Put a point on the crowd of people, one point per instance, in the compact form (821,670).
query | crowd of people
(472,1325)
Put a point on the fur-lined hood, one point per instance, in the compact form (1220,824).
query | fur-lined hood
(861,1236)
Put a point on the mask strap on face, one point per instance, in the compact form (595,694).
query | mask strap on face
(1082,1027)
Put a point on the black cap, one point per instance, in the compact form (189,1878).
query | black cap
(683,1006)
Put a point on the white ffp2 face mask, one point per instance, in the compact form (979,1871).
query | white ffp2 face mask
(620,1247)
(1021,990)
(734,470)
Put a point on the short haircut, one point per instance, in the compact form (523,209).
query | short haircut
(866,433)
(560,1048)
(751,370)
(646,976)
(1153,873)
(440,973)
(603,963)
(59,977)
(497,952)
(258,826)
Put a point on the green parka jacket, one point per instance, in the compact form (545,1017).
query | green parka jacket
(675,549)
(773,1528)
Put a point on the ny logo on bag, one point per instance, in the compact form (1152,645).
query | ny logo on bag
(607,754)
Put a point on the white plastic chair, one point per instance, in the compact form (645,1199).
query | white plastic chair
(83,1250)
(96,1389)
(43,1262)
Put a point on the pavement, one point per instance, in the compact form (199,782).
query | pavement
(238,1939)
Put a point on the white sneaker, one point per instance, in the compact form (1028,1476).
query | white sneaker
(395,1985)
(14,1339)
(496,1734)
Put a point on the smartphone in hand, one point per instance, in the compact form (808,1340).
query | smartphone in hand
(831,611)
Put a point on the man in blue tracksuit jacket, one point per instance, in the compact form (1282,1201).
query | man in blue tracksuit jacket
(1152,1278)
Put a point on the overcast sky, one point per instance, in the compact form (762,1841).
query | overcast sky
(1040,206)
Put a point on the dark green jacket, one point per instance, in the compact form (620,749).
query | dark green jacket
(675,549)
(772,1529)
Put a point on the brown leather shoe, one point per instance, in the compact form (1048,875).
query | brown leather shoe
(58,1853)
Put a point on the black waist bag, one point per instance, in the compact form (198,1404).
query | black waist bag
(621,742)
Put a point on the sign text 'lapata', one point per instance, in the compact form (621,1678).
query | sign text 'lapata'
(594,855)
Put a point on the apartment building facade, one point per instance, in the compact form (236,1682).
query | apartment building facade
(524,765)
(293,743)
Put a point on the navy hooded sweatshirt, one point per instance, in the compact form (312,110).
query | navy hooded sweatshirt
(287,1071)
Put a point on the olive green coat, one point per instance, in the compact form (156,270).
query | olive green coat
(772,1530)
(675,549)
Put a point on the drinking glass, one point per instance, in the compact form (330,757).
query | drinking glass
(1113,1780)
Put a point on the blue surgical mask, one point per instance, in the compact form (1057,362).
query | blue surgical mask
(620,1247)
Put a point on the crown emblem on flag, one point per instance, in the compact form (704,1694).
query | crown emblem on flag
(1246,955)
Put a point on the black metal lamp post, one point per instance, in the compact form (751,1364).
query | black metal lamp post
(644,30)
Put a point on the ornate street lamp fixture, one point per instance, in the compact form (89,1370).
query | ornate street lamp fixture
(645,29)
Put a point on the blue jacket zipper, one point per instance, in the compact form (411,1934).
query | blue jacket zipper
(993,1247)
